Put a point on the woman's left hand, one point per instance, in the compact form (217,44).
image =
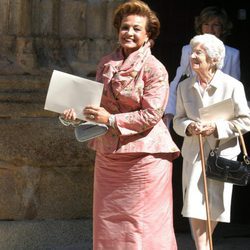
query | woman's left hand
(96,114)
(208,129)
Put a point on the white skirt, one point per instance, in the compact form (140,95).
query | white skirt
(194,204)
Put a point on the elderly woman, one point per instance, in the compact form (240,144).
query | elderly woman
(212,20)
(209,86)
(133,167)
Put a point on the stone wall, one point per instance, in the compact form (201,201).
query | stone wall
(44,172)
(39,35)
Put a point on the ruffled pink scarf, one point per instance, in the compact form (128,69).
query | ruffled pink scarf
(121,71)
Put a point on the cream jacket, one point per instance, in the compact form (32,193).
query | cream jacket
(189,100)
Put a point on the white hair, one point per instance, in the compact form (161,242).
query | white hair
(213,46)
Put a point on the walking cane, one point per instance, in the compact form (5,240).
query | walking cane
(206,193)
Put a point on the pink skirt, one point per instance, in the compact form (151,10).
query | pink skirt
(133,202)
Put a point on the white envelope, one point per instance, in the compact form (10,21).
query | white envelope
(70,91)
(223,110)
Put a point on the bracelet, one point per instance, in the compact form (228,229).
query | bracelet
(112,121)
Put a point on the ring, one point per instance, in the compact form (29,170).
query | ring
(92,117)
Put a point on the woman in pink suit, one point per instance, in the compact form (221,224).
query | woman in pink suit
(133,167)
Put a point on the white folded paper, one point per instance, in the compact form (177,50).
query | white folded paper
(223,110)
(70,91)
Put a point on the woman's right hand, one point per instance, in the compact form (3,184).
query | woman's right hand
(69,118)
(194,128)
(69,114)
(205,129)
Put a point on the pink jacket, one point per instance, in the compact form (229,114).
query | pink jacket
(136,91)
